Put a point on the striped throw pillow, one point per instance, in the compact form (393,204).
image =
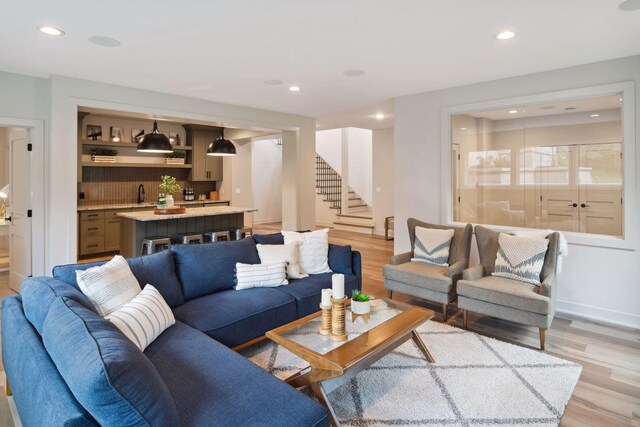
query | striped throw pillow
(109,285)
(261,275)
(432,245)
(520,258)
(143,318)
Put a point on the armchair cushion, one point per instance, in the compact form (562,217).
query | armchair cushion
(432,245)
(420,274)
(506,292)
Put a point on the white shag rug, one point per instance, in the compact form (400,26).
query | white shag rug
(475,381)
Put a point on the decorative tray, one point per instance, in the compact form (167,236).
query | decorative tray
(170,211)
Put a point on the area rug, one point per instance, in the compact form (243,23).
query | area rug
(475,381)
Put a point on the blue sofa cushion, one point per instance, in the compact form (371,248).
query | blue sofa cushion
(157,269)
(213,385)
(340,259)
(269,239)
(235,317)
(41,395)
(307,291)
(38,293)
(208,268)
(105,371)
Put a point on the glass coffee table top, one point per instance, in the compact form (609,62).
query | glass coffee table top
(306,334)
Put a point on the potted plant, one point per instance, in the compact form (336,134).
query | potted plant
(103,155)
(360,302)
(169,186)
(175,158)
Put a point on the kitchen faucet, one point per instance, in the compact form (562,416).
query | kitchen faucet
(140,194)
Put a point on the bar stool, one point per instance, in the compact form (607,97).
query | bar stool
(241,232)
(217,236)
(152,243)
(188,239)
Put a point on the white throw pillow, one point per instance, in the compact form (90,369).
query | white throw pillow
(288,253)
(432,245)
(314,250)
(261,275)
(143,318)
(109,285)
(520,258)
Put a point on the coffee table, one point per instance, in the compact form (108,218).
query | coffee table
(334,363)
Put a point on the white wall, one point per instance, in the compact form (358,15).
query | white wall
(360,162)
(329,147)
(267,180)
(241,184)
(383,177)
(601,283)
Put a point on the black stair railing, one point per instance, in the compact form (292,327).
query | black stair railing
(328,183)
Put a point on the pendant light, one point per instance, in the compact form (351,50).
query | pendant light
(221,147)
(155,142)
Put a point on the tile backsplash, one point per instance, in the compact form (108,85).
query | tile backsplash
(107,185)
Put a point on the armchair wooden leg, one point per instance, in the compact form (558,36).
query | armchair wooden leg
(7,389)
(444,313)
(465,318)
(543,333)
(390,294)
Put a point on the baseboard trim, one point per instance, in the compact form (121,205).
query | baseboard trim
(324,224)
(267,221)
(598,314)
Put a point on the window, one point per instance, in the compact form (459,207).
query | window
(550,166)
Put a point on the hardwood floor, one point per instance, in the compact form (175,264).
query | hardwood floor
(608,392)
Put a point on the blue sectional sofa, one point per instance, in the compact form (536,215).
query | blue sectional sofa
(66,365)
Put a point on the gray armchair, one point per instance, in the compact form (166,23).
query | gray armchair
(429,281)
(507,299)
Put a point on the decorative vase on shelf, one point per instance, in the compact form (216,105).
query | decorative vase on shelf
(169,201)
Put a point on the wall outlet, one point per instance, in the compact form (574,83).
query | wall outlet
(238,191)
(378,189)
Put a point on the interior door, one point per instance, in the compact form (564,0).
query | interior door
(19,208)
(600,186)
(558,195)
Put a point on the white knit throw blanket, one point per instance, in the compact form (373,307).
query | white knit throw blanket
(563,250)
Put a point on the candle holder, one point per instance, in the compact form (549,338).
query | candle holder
(325,326)
(338,321)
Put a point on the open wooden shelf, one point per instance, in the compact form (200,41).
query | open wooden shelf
(127,145)
(135,165)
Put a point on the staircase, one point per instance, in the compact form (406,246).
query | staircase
(357,217)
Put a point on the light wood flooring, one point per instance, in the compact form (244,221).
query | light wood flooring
(608,392)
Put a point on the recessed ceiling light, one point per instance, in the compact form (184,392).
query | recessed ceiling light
(620,99)
(104,41)
(294,88)
(354,73)
(629,5)
(513,111)
(273,82)
(594,115)
(51,31)
(505,35)
(463,128)
(379,116)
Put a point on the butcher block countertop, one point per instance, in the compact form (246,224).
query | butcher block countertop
(190,213)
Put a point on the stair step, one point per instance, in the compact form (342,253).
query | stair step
(359,206)
(354,224)
(355,216)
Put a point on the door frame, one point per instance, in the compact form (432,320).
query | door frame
(37,138)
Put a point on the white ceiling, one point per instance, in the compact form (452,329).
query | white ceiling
(223,50)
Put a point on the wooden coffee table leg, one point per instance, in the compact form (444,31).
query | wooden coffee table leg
(318,390)
(423,348)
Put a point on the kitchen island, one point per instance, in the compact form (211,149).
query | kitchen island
(136,226)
